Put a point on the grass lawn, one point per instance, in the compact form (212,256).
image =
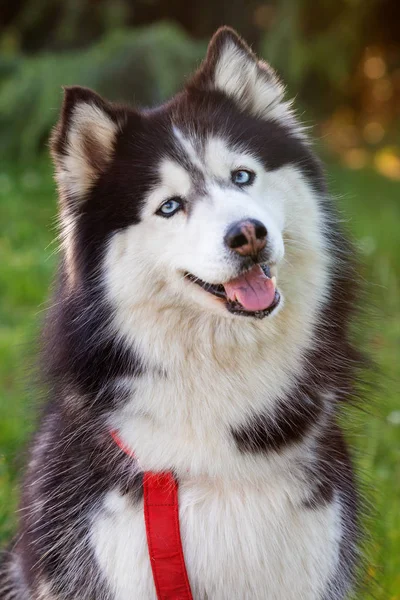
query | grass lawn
(370,204)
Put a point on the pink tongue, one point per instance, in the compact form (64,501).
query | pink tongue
(254,290)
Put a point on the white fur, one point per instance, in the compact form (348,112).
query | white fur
(188,147)
(45,592)
(243,543)
(254,86)
(119,541)
(238,75)
(75,174)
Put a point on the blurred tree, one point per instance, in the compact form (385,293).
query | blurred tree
(55,24)
(142,67)
(325,52)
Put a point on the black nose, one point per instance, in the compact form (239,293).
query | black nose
(247,237)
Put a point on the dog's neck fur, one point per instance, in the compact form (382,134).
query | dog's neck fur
(197,349)
(210,382)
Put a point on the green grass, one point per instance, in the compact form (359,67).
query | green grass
(371,207)
(369,203)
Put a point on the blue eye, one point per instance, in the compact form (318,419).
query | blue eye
(170,207)
(243,177)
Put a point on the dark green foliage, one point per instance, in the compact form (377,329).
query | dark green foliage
(142,67)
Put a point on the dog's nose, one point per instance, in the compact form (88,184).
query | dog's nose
(247,237)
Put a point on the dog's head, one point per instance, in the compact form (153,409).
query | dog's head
(213,201)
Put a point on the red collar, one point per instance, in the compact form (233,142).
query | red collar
(161,514)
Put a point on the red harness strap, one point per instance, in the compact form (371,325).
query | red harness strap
(161,514)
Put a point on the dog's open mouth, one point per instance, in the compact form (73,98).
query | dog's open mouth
(252,294)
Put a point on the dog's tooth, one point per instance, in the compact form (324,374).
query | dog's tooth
(273,279)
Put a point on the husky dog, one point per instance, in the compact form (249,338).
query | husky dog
(202,311)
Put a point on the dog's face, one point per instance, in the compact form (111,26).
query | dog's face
(210,202)
(210,229)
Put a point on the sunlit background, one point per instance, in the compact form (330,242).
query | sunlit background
(340,59)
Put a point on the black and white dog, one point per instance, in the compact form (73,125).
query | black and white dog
(202,311)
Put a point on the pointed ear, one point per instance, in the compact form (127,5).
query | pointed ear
(232,67)
(83,142)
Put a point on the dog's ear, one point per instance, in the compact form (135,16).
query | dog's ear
(232,67)
(83,142)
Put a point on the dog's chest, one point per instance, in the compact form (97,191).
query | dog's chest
(240,542)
